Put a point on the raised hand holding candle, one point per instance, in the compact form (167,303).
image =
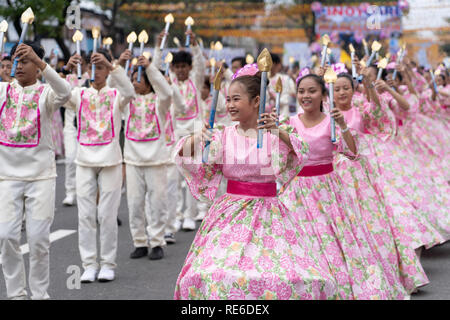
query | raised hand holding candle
(188,22)
(3,29)
(382,64)
(352,56)
(27,18)
(278,90)
(77,38)
(376,46)
(143,39)
(167,61)
(168,20)
(131,39)
(264,65)
(212,115)
(95,35)
(330,77)
(325,42)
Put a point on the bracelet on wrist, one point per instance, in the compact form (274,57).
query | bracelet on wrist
(345,130)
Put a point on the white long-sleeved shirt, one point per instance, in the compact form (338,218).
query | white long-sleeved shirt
(69,114)
(33,162)
(197,77)
(107,154)
(153,152)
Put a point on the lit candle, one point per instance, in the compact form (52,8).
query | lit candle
(177,42)
(168,60)
(366,48)
(107,42)
(27,18)
(401,54)
(264,65)
(330,77)
(77,38)
(95,35)
(382,64)
(433,78)
(218,48)
(291,63)
(188,22)
(212,115)
(376,46)
(3,29)
(325,42)
(142,38)
(131,39)
(168,19)
(249,59)
(278,89)
(352,53)
(212,61)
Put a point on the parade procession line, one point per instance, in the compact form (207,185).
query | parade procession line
(54,236)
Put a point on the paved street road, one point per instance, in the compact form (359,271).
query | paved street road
(145,279)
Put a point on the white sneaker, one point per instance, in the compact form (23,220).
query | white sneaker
(177,225)
(188,224)
(69,200)
(105,274)
(88,275)
(201,215)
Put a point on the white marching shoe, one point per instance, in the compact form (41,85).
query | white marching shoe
(69,200)
(88,275)
(106,274)
(188,224)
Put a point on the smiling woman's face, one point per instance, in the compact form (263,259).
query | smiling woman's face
(343,92)
(309,95)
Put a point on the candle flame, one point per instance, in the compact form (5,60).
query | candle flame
(176,41)
(147,54)
(437,72)
(27,16)
(143,36)
(218,79)
(212,61)
(211,45)
(383,63)
(249,59)
(77,36)
(134,61)
(328,51)
(291,60)
(264,61)
(218,46)
(279,85)
(325,40)
(95,32)
(169,18)
(168,58)
(189,21)
(352,49)
(330,76)
(3,26)
(376,46)
(107,41)
(313,58)
(388,56)
(132,37)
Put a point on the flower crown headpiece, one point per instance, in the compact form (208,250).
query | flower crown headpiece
(247,70)
(339,68)
(305,71)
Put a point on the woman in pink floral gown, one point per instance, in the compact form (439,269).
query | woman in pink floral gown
(248,246)
(318,198)
(374,124)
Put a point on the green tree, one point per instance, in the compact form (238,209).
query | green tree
(48,22)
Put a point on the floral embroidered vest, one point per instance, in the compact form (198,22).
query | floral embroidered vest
(168,130)
(190,97)
(95,118)
(20,124)
(143,124)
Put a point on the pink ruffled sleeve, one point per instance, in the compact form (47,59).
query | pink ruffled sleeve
(203,179)
(379,120)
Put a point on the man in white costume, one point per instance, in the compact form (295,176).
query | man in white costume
(28,169)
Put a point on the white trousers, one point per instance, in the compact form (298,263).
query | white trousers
(147,204)
(35,200)
(108,182)
(70,146)
(173,202)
